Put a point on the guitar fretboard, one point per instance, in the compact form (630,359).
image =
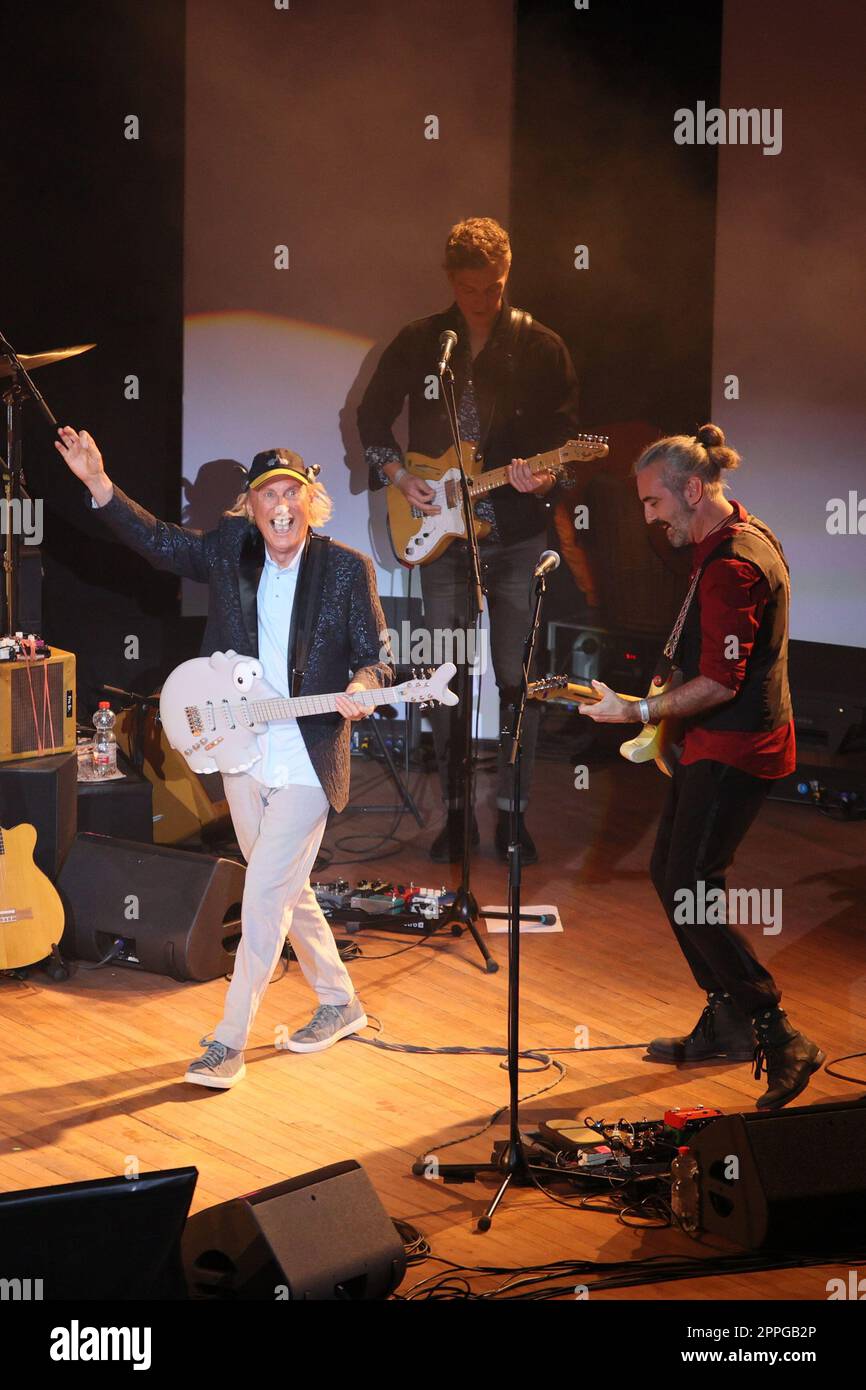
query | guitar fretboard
(263,711)
(498,477)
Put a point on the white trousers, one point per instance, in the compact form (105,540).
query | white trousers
(279,831)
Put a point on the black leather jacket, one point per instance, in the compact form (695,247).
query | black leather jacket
(346,639)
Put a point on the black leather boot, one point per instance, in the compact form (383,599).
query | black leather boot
(788,1057)
(721,1034)
(447,848)
(528,851)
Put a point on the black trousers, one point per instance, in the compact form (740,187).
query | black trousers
(709,808)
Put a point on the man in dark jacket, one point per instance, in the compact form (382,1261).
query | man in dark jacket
(256,562)
(516,395)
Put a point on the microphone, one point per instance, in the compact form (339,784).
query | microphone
(547,563)
(447,344)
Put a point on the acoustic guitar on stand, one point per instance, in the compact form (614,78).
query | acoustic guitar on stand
(418,538)
(31,912)
(659,743)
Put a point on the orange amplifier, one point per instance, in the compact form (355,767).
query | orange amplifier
(37,706)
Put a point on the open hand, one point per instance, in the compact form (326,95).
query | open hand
(80,453)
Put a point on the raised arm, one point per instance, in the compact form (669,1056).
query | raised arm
(167,547)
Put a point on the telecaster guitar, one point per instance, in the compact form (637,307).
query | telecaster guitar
(656,743)
(31,913)
(214,707)
(418,538)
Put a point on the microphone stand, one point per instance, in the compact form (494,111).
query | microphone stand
(21,387)
(463,914)
(510,1161)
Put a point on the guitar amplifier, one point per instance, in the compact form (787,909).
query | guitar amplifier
(37,706)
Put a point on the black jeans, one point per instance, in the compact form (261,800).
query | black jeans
(709,808)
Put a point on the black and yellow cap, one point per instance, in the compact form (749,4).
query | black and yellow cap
(279,463)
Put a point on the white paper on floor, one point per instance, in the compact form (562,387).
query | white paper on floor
(527,910)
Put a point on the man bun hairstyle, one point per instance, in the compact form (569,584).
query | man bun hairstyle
(704,455)
(711,436)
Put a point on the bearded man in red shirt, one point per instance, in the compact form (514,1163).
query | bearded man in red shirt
(730,644)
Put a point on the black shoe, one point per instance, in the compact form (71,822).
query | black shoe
(788,1057)
(502,839)
(447,848)
(721,1034)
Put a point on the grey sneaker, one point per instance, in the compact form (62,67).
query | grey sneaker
(221,1066)
(329,1023)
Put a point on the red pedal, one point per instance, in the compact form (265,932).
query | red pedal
(678,1118)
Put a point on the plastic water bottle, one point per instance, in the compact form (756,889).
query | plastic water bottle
(104,742)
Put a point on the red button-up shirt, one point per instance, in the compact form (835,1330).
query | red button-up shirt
(733,594)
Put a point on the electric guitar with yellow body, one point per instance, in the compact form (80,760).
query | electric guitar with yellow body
(656,743)
(418,538)
(31,913)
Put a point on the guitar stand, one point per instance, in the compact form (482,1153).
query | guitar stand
(407,801)
(54,966)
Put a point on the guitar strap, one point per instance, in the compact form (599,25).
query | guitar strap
(517,323)
(307,606)
(519,320)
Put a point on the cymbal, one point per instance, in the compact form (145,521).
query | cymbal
(43,359)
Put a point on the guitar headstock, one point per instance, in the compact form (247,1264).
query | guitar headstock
(584,449)
(537,690)
(429,687)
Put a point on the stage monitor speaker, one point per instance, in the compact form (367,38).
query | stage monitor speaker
(324,1236)
(108,1239)
(37,706)
(786,1180)
(172,912)
(44,793)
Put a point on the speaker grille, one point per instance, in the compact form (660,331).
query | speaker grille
(25,730)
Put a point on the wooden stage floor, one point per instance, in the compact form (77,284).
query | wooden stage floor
(92,1067)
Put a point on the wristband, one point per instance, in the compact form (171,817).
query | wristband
(643,707)
(401,473)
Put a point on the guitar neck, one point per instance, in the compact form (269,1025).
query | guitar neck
(266,711)
(585,693)
(550,462)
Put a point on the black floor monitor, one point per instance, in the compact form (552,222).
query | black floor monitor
(112,1238)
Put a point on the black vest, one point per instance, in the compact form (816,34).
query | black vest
(763,701)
